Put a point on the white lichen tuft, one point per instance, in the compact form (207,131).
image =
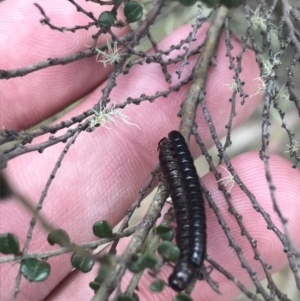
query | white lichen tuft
(261,87)
(258,21)
(104,116)
(227,181)
(293,149)
(268,65)
(233,85)
(111,56)
(282,94)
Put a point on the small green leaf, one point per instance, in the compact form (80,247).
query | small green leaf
(94,285)
(59,237)
(35,270)
(187,2)
(107,19)
(211,3)
(182,297)
(133,11)
(136,264)
(161,229)
(157,285)
(5,190)
(108,260)
(82,262)
(125,297)
(168,250)
(149,260)
(136,296)
(231,3)
(168,236)
(9,243)
(166,232)
(102,229)
(104,272)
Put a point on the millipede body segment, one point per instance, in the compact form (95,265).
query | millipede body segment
(195,199)
(183,271)
(178,168)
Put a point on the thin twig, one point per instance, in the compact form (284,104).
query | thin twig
(192,36)
(87,245)
(231,277)
(232,242)
(134,246)
(200,73)
(135,205)
(40,204)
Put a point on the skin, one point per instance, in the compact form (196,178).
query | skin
(102,173)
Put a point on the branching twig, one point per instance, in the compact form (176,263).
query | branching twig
(286,10)
(87,245)
(135,244)
(46,21)
(192,36)
(232,242)
(135,204)
(188,111)
(231,277)
(40,204)
(6,74)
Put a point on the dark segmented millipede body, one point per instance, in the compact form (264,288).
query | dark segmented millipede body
(196,210)
(183,270)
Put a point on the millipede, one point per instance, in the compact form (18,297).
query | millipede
(178,168)
(183,270)
(195,199)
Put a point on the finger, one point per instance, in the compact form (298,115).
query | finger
(103,172)
(25,41)
(246,165)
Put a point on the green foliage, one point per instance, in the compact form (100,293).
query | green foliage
(133,11)
(231,3)
(211,3)
(107,262)
(94,285)
(59,237)
(103,273)
(142,261)
(157,285)
(35,270)
(102,229)
(228,3)
(136,297)
(166,232)
(149,260)
(187,2)
(127,297)
(106,19)
(182,297)
(5,190)
(136,264)
(168,250)
(82,262)
(9,243)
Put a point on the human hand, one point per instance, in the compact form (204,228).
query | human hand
(103,172)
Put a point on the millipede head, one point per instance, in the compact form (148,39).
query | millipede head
(180,277)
